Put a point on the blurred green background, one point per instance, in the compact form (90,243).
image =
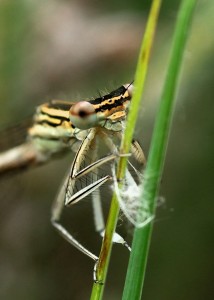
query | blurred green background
(71,50)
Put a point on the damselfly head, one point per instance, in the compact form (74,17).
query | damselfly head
(82,115)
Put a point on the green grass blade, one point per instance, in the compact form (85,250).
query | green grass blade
(125,146)
(138,259)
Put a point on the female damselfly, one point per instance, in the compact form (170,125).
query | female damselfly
(60,125)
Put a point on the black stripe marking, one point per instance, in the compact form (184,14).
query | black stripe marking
(55,116)
(116,93)
(49,123)
(109,106)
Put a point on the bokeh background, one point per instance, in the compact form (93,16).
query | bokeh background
(71,50)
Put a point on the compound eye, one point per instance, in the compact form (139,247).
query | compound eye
(82,109)
(82,115)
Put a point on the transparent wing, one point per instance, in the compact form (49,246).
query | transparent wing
(14,135)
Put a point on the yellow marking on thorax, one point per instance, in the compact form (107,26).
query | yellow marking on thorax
(115,112)
(55,112)
(119,115)
(39,118)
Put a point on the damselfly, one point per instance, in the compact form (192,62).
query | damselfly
(60,125)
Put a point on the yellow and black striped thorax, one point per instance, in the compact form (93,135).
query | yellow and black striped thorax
(59,119)
(113,105)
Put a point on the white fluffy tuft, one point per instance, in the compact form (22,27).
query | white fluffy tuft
(138,213)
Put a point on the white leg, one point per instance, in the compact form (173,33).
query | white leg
(97,212)
(96,203)
(118,239)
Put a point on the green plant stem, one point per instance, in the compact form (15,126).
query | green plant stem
(141,241)
(125,148)
(139,82)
